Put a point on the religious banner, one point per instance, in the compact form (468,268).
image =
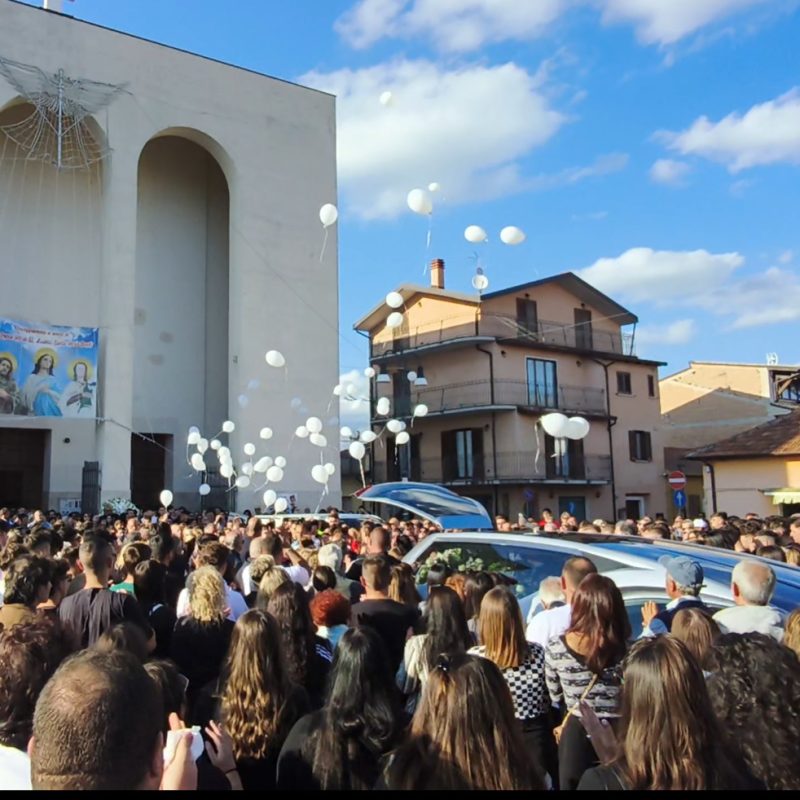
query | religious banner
(48,370)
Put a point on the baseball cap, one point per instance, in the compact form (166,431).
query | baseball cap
(683,570)
(699,523)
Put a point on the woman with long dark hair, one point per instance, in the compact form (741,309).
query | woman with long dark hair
(585,665)
(502,632)
(475,587)
(150,582)
(463,735)
(258,704)
(445,632)
(669,737)
(307,656)
(341,746)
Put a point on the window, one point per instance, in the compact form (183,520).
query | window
(583,329)
(542,383)
(564,458)
(401,395)
(624,383)
(527,317)
(640,447)
(651,386)
(462,454)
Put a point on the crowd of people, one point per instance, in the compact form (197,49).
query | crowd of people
(215,652)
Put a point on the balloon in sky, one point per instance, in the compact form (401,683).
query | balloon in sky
(165,497)
(394,300)
(434,187)
(204,489)
(266,433)
(420,202)
(270,496)
(357,450)
(275,358)
(386,99)
(281,504)
(328,215)
(475,234)
(228,426)
(394,320)
(512,235)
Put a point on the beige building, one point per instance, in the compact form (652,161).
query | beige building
(711,401)
(191,240)
(756,471)
(488,367)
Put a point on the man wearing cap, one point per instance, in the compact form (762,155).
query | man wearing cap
(684,581)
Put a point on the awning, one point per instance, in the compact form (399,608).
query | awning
(781,496)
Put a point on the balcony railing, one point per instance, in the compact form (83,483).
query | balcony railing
(519,467)
(506,327)
(478,394)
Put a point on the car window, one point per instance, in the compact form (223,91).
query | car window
(634,608)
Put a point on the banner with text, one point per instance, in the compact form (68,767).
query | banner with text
(48,370)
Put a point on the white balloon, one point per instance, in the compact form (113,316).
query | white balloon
(193,437)
(194,429)
(318,439)
(319,473)
(301,432)
(420,202)
(265,433)
(352,390)
(166,498)
(328,215)
(554,424)
(480,282)
(275,474)
(337,390)
(412,376)
(247,469)
(280,461)
(249,449)
(368,436)
(198,463)
(386,98)
(383,406)
(204,489)
(402,438)
(281,504)
(330,468)
(357,450)
(475,234)
(228,426)
(202,446)
(394,300)
(243,400)
(215,444)
(421,410)
(224,454)
(314,425)
(512,235)
(242,482)
(578,428)
(346,433)
(369,372)
(226,470)
(433,187)
(263,464)
(270,496)
(274,358)
(394,320)
(395,425)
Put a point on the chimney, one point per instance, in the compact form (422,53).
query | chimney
(437,273)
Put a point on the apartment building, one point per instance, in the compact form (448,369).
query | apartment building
(488,367)
(711,401)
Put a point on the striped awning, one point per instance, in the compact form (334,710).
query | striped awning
(781,496)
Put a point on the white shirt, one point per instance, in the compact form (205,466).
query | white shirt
(15,769)
(235,602)
(749,619)
(548,624)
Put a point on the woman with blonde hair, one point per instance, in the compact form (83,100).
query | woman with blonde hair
(502,634)
(402,588)
(200,640)
(791,632)
(272,577)
(698,631)
(258,703)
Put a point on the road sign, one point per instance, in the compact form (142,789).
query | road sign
(677,480)
(680,499)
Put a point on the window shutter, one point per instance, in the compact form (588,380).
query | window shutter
(632,444)
(648,451)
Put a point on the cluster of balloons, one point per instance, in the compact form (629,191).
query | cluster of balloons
(510,235)
(559,426)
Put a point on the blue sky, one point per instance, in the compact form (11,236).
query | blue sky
(653,144)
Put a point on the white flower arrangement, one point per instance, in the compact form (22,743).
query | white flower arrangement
(118,506)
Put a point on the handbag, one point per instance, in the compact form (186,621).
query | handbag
(557,731)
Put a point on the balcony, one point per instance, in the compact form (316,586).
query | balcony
(457,398)
(506,328)
(514,467)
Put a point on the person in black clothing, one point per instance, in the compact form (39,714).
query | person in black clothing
(308,657)
(150,582)
(94,610)
(669,736)
(341,747)
(258,703)
(390,619)
(164,549)
(200,641)
(380,540)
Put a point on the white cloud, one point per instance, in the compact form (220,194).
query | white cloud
(665,22)
(681,331)
(452,25)
(669,172)
(786,257)
(590,216)
(661,276)
(769,133)
(766,298)
(354,417)
(467,129)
